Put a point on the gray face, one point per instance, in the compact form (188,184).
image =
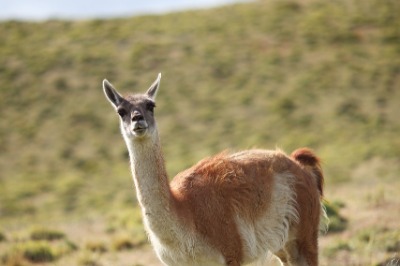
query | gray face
(136,112)
(137,115)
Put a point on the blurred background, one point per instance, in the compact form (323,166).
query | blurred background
(236,75)
(86,9)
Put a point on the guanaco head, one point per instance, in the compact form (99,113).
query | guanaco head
(136,112)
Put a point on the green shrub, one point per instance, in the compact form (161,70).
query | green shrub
(337,223)
(46,234)
(87,260)
(37,252)
(2,237)
(391,241)
(123,243)
(394,246)
(13,259)
(96,246)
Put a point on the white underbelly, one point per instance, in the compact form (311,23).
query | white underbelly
(188,251)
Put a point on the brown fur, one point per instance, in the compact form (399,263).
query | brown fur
(224,187)
(307,159)
(304,248)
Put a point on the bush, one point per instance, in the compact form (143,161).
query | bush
(87,260)
(46,234)
(13,259)
(96,246)
(36,252)
(39,252)
(337,223)
(123,243)
(2,237)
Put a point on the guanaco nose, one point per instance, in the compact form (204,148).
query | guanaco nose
(137,116)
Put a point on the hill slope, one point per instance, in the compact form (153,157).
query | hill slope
(265,74)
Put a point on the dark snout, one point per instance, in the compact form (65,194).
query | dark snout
(139,124)
(137,116)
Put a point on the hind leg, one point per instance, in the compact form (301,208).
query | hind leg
(303,252)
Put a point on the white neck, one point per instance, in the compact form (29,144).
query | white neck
(151,182)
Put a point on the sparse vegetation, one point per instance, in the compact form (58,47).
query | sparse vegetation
(88,260)
(42,246)
(35,252)
(338,246)
(38,252)
(46,234)
(2,237)
(337,223)
(291,73)
(123,243)
(96,246)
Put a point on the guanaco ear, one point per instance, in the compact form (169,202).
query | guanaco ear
(152,91)
(111,94)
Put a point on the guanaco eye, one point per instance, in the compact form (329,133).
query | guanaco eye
(150,106)
(122,112)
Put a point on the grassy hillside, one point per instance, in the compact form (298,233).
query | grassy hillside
(323,74)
